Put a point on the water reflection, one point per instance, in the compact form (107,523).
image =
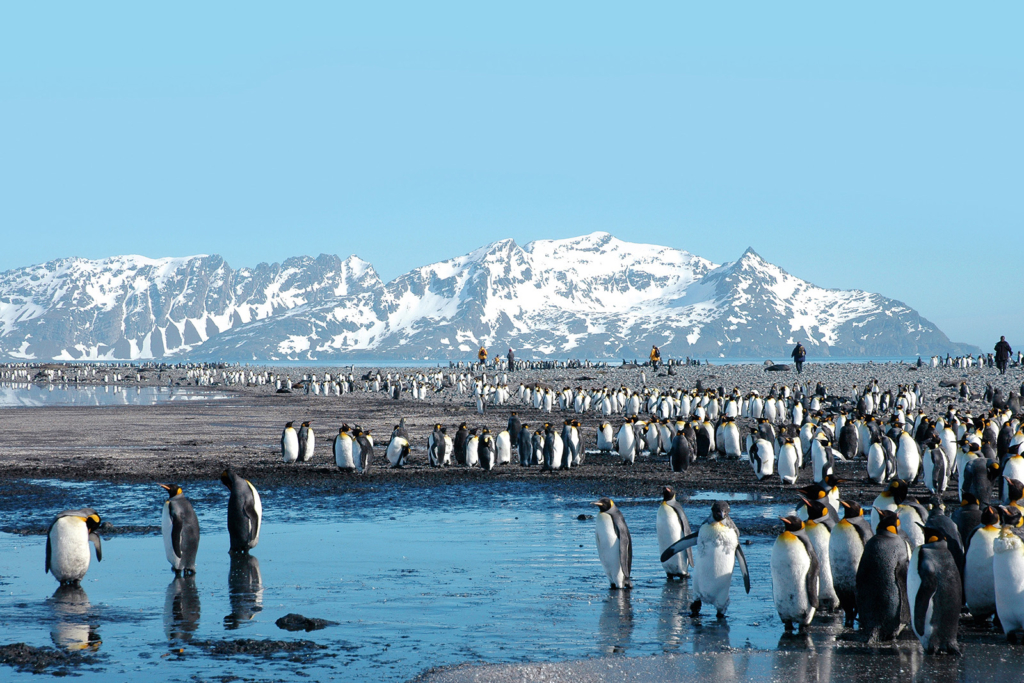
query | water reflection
(71,629)
(181,608)
(675,605)
(27,395)
(615,626)
(245,590)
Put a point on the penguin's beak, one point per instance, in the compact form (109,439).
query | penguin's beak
(598,504)
(165,487)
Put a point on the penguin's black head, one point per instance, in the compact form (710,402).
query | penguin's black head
(816,510)
(604,505)
(968,499)
(851,510)
(306,423)
(814,491)
(288,425)
(720,510)
(92,522)
(931,534)
(1010,516)
(993,468)
(444,430)
(667,493)
(793,523)
(899,490)
(832,481)
(1014,489)
(888,521)
(172,490)
(225,478)
(989,516)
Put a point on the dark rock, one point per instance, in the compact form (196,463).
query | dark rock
(297,622)
(39,659)
(256,648)
(282,390)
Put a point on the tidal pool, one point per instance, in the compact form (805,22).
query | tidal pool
(27,395)
(415,578)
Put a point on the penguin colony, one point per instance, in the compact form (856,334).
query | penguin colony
(893,563)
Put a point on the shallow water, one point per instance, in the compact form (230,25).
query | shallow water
(27,395)
(415,578)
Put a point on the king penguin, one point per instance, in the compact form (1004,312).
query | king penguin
(672,525)
(614,545)
(397,451)
(979,582)
(1008,578)
(289,444)
(343,449)
(882,581)
(845,548)
(717,551)
(245,512)
(364,443)
(933,592)
(67,544)
(818,530)
(795,572)
(181,531)
(307,442)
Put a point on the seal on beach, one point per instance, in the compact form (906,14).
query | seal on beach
(180,528)
(67,544)
(795,574)
(614,545)
(933,592)
(289,444)
(672,525)
(245,512)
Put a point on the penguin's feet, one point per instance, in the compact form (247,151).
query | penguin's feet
(788,625)
(720,615)
(695,608)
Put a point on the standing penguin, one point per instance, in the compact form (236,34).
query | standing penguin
(818,531)
(245,512)
(365,445)
(717,551)
(614,545)
(1008,578)
(307,442)
(461,437)
(397,451)
(680,454)
(485,451)
(67,544)
(845,548)
(933,592)
(673,525)
(436,450)
(795,573)
(289,444)
(979,581)
(525,446)
(789,461)
(181,531)
(343,449)
(882,581)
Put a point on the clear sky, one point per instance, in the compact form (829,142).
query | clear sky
(871,145)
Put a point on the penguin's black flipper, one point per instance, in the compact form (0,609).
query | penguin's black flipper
(681,545)
(175,533)
(95,538)
(742,559)
(48,550)
(685,524)
(929,583)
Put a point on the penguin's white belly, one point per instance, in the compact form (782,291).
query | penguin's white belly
(1014,470)
(504,448)
(876,463)
(713,560)
(844,552)
(979,582)
(790,564)
(670,531)
(909,518)
(1008,576)
(605,440)
(557,449)
(343,453)
(908,458)
(258,505)
(731,441)
(310,446)
(168,529)
(290,446)
(819,536)
(788,464)
(608,549)
(472,455)
(69,549)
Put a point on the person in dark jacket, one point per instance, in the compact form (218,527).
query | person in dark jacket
(799,356)
(1003,352)
(511,361)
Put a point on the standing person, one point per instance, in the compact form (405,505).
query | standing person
(655,356)
(799,356)
(482,356)
(1003,352)
(511,361)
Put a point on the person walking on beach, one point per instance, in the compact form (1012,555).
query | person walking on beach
(1003,352)
(482,356)
(511,361)
(799,356)
(655,356)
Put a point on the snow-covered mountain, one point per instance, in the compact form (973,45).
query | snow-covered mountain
(592,296)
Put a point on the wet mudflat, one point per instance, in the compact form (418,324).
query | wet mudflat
(500,573)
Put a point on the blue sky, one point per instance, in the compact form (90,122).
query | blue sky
(875,146)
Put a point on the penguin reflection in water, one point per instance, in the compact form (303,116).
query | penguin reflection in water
(71,629)
(717,550)
(614,545)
